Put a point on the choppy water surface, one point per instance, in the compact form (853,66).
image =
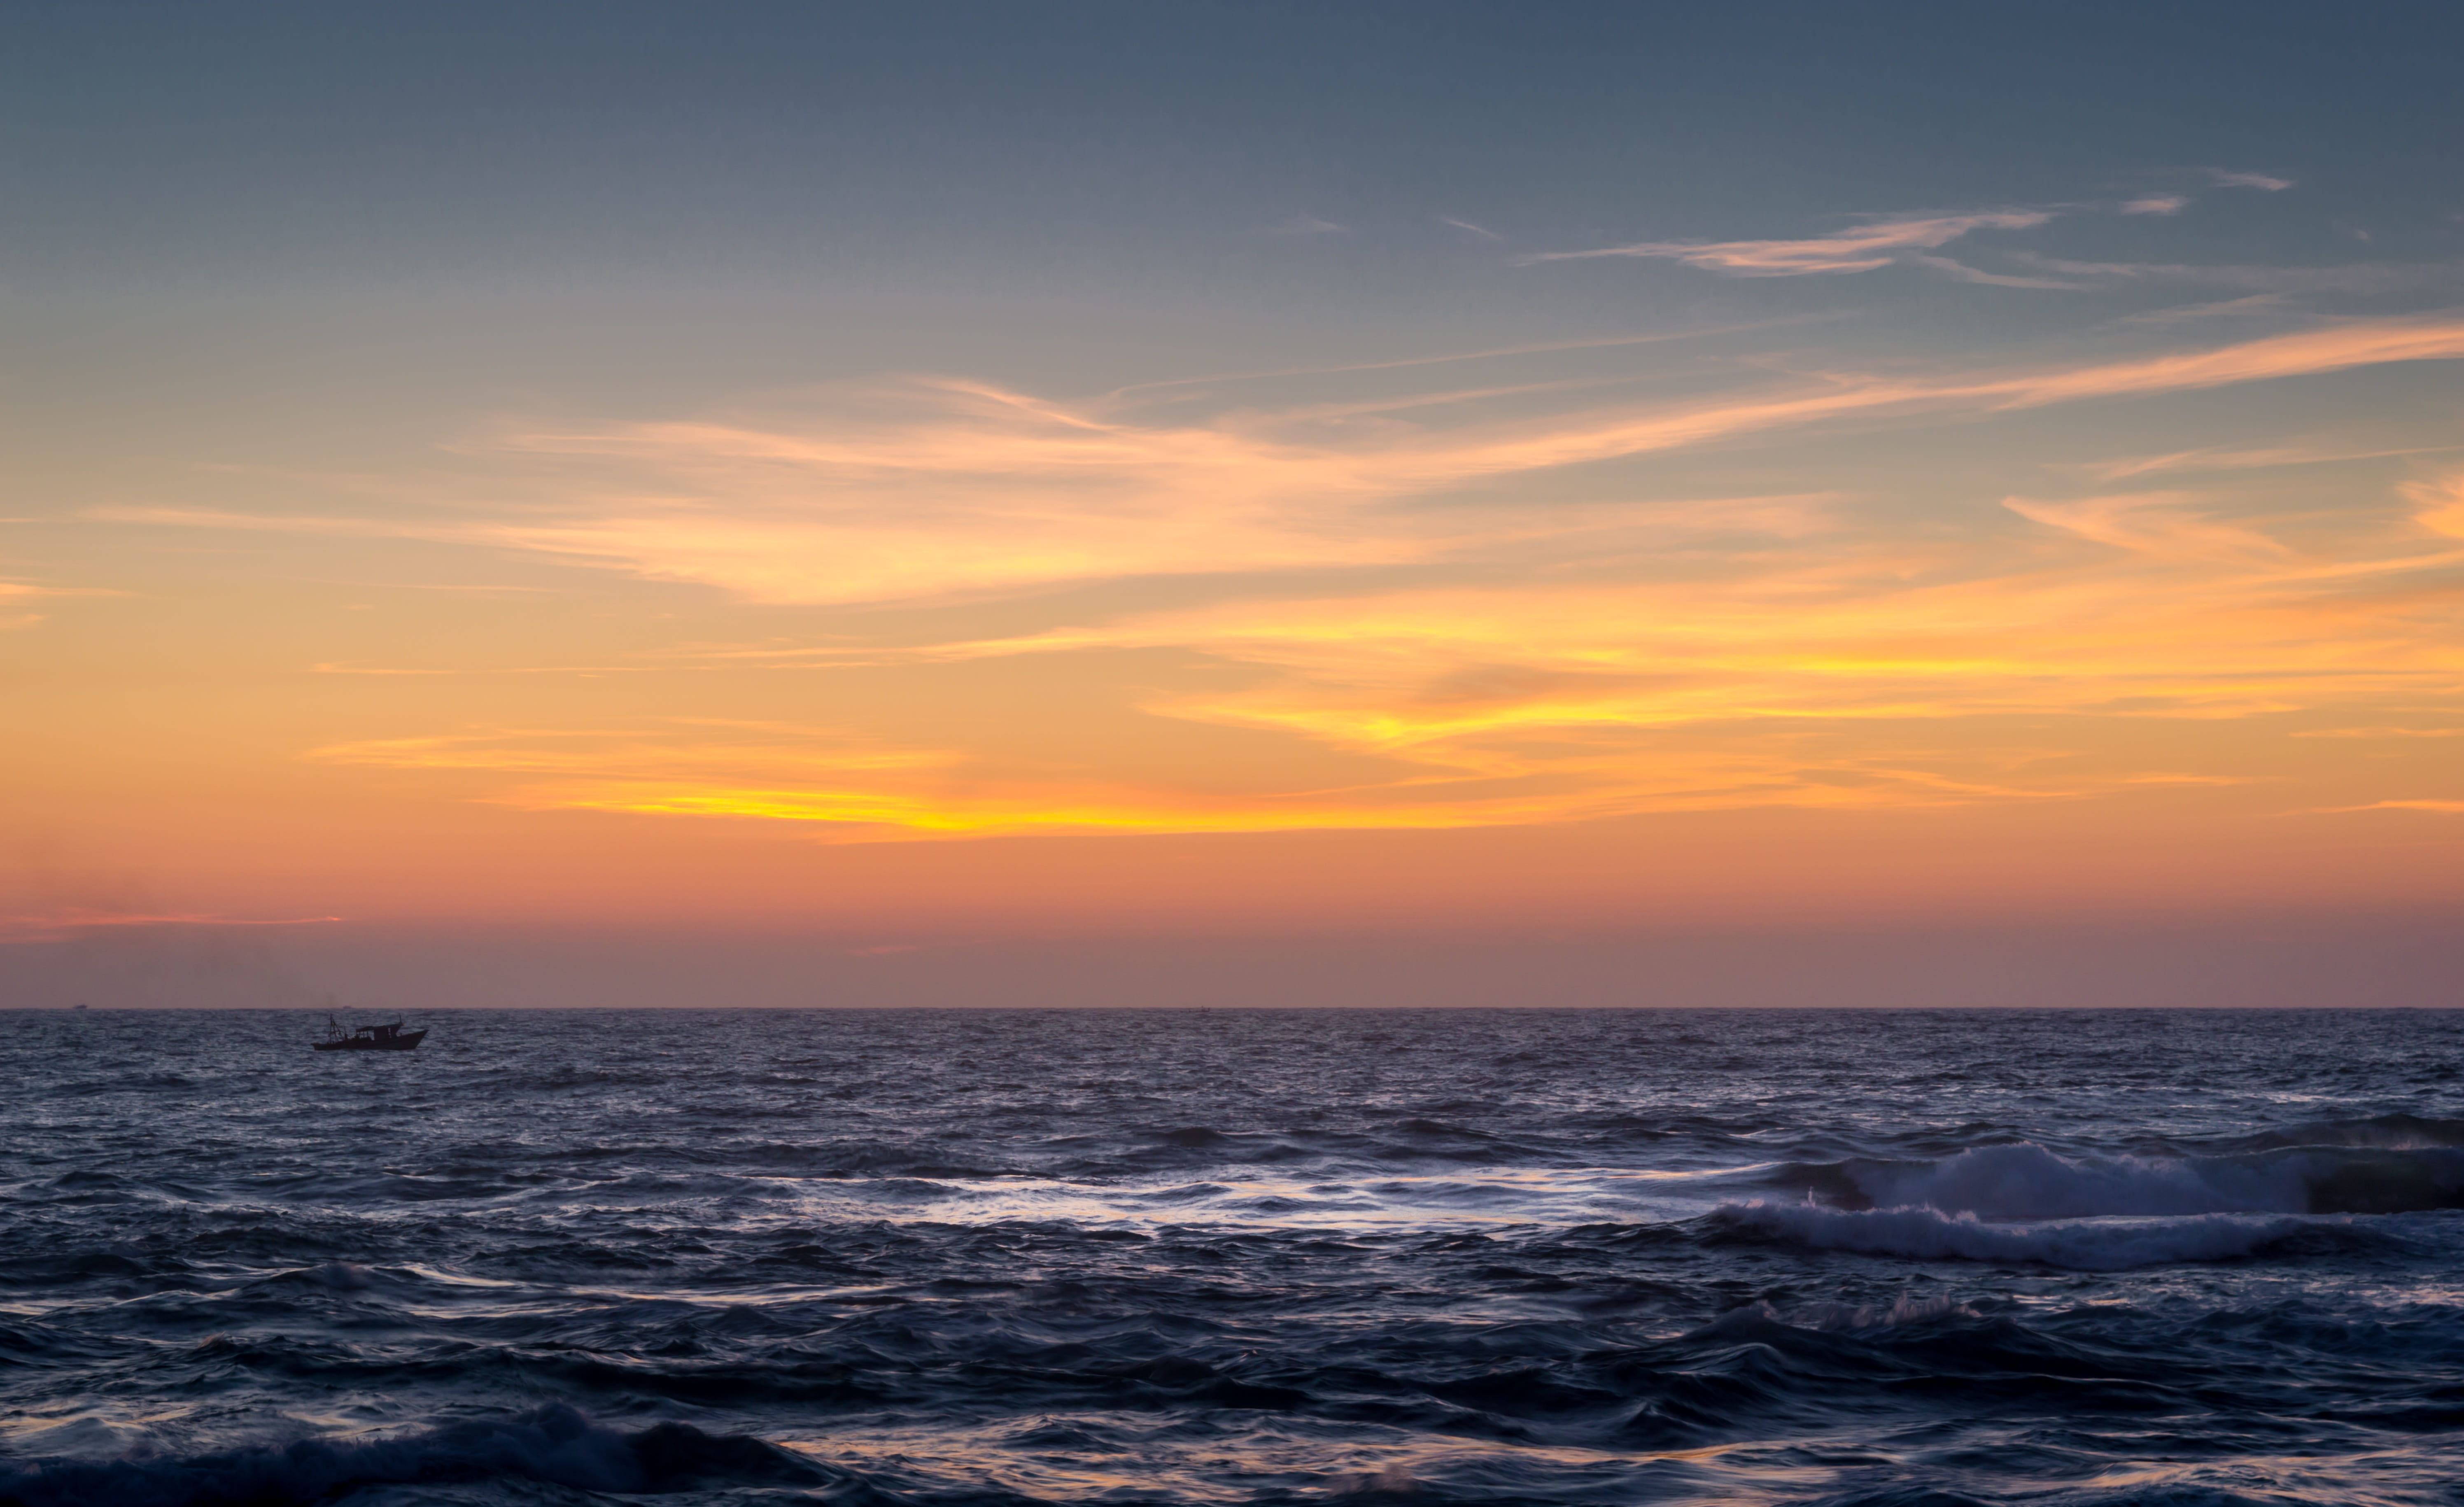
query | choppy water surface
(1235,1256)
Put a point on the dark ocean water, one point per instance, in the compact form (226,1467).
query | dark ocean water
(1540,1256)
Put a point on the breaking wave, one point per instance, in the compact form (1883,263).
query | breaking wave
(554,1445)
(2025,1182)
(2023,1203)
(2080,1245)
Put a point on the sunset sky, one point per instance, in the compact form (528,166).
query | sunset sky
(1232,502)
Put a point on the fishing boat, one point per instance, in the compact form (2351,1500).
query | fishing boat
(367,1038)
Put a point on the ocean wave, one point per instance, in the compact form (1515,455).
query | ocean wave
(556,1445)
(954,1257)
(2081,1245)
(2027,1181)
(2382,1132)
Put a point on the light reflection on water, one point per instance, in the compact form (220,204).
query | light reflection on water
(1048,1458)
(1506,1197)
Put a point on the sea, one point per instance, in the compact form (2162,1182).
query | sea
(1884,1259)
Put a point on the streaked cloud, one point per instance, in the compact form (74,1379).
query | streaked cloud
(2163,523)
(1828,663)
(443,531)
(2248,180)
(17,594)
(2318,453)
(2440,505)
(328,667)
(2251,305)
(2156,204)
(2440,807)
(14,592)
(24,591)
(1865,673)
(673,749)
(1422,611)
(933,489)
(950,488)
(812,778)
(1991,279)
(1863,249)
(2357,277)
(66,923)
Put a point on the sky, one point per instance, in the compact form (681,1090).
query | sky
(1231,503)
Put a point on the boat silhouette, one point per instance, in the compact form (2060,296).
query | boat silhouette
(368,1038)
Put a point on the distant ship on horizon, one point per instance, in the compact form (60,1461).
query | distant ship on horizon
(368,1038)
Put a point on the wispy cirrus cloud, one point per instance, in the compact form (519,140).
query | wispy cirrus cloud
(673,749)
(1865,675)
(66,923)
(2264,182)
(1868,673)
(2439,504)
(2265,458)
(2357,278)
(22,590)
(962,488)
(2249,306)
(844,791)
(331,525)
(1964,273)
(1864,248)
(1478,661)
(931,489)
(11,592)
(2156,204)
(26,592)
(2159,524)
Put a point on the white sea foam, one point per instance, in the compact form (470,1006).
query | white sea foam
(1494,1197)
(2088,1245)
